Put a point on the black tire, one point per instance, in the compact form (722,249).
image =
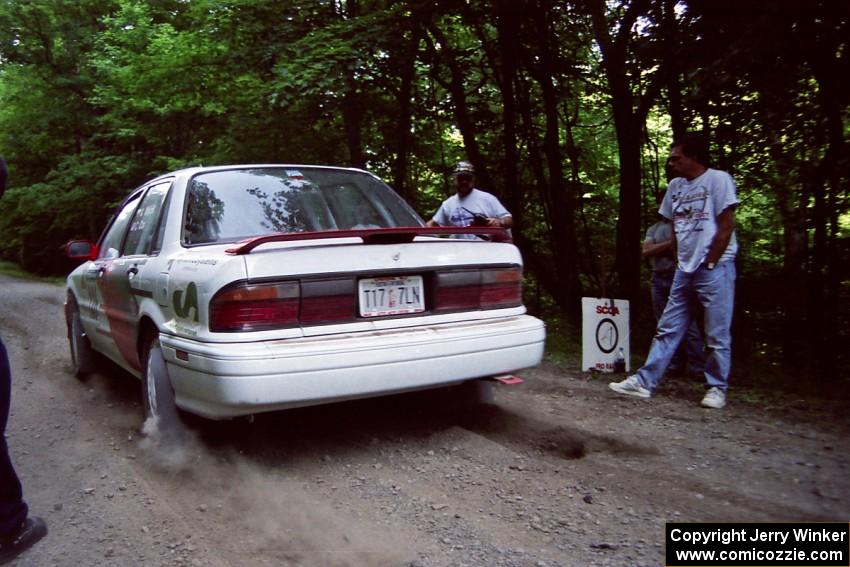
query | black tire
(162,418)
(82,355)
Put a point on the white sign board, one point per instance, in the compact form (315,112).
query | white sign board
(605,330)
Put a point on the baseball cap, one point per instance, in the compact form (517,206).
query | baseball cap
(464,168)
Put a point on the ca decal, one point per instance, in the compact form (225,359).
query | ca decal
(183,305)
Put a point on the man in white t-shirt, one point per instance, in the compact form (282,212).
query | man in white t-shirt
(470,206)
(701,203)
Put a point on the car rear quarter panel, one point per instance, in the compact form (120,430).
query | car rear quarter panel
(190,280)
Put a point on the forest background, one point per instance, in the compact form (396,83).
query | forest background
(566,109)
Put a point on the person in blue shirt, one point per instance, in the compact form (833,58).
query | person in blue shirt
(18,532)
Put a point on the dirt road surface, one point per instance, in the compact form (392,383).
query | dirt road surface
(557,472)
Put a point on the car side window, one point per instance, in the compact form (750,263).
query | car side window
(110,247)
(145,221)
(158,238)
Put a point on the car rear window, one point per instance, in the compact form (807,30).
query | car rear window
(226,206)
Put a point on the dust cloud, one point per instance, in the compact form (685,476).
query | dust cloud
(263,511)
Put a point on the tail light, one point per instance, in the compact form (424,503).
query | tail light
(255,307)
(478,289)
(327,301)
(247,307)
(458,290)
(262,307)
(501,288)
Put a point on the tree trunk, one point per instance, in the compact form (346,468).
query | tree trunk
(407,71)
(353,109)
(352,117)
(628,131)
(827,265)
(792,209)
(508,14)
(539,261)
(563,197)
(465,123)
(672,47)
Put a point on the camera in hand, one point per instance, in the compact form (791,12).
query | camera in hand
(477,218)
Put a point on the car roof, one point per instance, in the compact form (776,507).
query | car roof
(192,171)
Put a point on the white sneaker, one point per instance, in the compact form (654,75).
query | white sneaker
(631,386)
(714,399)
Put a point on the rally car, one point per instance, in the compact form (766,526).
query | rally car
(234,290)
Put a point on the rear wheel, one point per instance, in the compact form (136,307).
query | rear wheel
(82,355)
(162,418)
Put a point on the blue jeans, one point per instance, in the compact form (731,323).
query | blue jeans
(715,291)
(692,349)
(13,510)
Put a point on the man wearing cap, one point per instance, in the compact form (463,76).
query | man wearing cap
(470,206)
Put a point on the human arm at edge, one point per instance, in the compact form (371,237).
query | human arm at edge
(506,221)
(725,228)
(655,248)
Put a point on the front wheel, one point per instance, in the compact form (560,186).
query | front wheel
(161,415)
(82,355)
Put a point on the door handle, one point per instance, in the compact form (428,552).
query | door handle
(132,272)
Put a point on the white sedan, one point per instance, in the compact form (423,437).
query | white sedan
(241,289)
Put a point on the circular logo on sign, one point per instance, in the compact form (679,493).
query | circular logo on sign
(607,335)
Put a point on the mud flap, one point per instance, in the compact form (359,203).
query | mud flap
(508,379)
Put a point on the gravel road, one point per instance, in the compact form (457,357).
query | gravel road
(558,471)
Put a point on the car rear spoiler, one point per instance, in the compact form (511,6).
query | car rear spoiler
(394,235)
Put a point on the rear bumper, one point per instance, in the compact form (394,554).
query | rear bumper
(222,380)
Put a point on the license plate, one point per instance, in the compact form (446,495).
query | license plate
(395,295)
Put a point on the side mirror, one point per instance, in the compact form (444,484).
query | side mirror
(81,250)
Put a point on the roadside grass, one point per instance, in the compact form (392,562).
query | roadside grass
(11,269)
(763,384)
(563,344)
